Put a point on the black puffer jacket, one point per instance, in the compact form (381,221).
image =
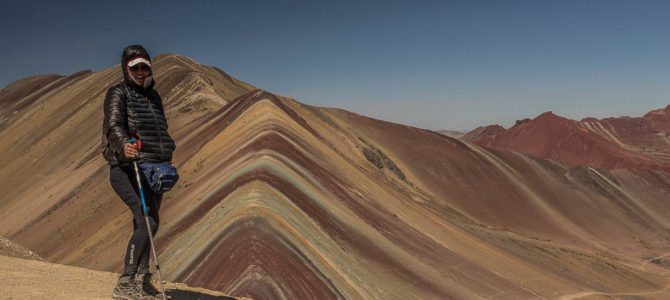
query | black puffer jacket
(133,111)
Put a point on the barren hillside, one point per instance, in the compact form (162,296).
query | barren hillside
(610,143)
(282,200)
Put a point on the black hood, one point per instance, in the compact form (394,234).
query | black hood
(129,53)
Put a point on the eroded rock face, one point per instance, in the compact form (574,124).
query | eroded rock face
(279,200)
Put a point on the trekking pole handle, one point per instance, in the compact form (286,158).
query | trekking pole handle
(134,141)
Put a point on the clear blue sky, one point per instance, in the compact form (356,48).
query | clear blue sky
(431,64)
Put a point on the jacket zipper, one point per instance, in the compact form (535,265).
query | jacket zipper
(157,127)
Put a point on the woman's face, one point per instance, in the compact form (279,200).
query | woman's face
(139,72)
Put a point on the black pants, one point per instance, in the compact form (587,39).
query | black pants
(124,183)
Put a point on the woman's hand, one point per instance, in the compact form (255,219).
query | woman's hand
(130,150)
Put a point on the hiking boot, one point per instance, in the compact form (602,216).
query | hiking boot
(147,289)
(126,289)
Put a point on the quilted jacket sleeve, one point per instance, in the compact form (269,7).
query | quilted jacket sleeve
(115,119)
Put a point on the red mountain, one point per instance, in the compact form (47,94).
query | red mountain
(659,119)
(611,143)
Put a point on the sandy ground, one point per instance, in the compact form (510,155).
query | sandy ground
(32,279)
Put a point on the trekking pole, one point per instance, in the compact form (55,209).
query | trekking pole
(146,219)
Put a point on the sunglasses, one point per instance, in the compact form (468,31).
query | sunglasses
(143,67)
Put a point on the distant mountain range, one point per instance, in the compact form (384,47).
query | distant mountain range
(282,200)
(611,143)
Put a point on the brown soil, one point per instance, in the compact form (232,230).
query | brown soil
(31,279)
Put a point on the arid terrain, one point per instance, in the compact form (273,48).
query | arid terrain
(23,279)
(282,200)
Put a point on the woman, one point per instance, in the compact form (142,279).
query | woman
(134,110)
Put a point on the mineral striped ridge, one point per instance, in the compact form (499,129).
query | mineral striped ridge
(283,200)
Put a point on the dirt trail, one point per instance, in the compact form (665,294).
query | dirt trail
(32,279)
(663,293)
